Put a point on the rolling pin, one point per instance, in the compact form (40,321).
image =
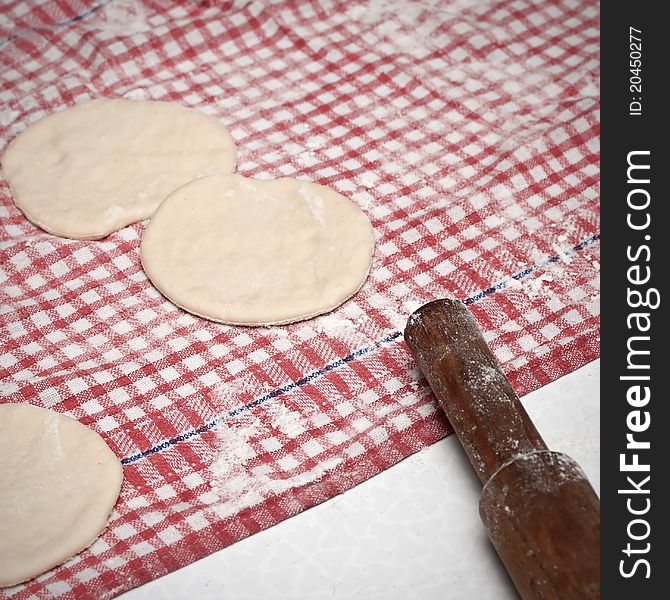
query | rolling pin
(540,511)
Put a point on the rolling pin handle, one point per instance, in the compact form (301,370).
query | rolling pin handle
(541,513)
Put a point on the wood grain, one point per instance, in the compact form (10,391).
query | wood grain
(540,510)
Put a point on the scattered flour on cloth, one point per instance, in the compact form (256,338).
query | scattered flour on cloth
(121,18)
(235,483)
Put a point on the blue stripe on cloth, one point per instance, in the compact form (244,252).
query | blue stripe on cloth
(528,270)
(273,394)
(348,358)
(74,19)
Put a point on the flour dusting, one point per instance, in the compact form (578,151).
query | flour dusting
(122,17)
(232,394)
(289,422)
(114,211)
(397,313)
(137,94)
(367,179)
(50,437)
(561,253)
(237,481)
(233,487)
(341,328)
(410,27)
(314,202)
(533,287)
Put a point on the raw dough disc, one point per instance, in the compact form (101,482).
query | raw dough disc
(58,483)
(257,252)
(87,171)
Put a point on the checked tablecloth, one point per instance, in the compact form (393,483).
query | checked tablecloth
(467,131)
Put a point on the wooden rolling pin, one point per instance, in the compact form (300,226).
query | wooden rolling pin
(541,513)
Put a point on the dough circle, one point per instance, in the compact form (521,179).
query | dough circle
(87,171)
(58,483)
(257,252)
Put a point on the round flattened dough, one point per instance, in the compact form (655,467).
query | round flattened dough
(89,170)
(257,252)
(58,483)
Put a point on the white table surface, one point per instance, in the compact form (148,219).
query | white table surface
(412,531)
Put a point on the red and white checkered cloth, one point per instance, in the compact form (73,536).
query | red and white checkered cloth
(467,131)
